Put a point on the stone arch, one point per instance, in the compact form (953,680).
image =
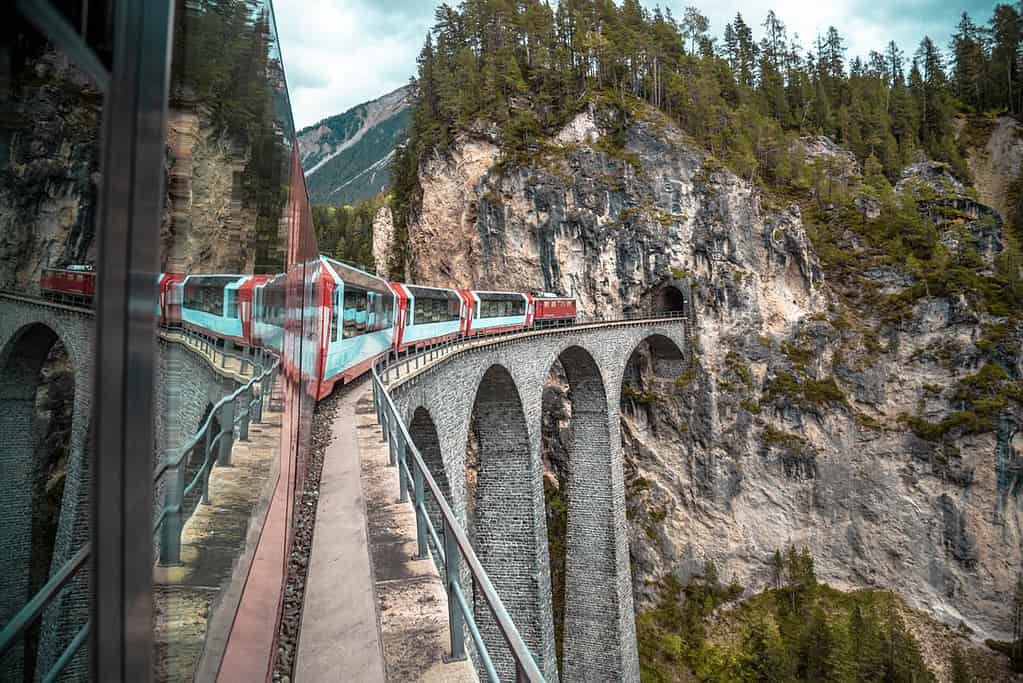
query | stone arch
(424,435)
(501,517)
(655,368)
(655,354)
(593,611)
(37,452)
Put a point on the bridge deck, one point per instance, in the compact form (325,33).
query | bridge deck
(371,612)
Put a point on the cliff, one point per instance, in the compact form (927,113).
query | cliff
(825,410)
(49,133)
(207,226)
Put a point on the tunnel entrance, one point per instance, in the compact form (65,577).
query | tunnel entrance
(669,299)
(37,397)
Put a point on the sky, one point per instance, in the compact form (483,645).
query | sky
(340,53)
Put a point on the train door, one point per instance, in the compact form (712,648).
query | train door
(400,314)
(466,311)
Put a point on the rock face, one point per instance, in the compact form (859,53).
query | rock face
(383,240)
(791,426)
(206,226)
(48,154)
(998,164)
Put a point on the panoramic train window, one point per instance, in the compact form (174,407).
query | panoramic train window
(207,294)
(354,311)
(50,124)
(231,306)
(501,306)
(371,312)
(433,306)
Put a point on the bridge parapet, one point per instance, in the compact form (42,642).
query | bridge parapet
(503,509)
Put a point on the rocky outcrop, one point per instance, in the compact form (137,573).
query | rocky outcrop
(206,227)
(997,165)
(962,221)
(383,240)
(49,134)
(444,242)
(792,427)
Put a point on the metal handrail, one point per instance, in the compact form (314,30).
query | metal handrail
(172,517)
(34,607)
(456,546)
(175,459)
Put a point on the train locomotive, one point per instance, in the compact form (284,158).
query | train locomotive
(363,317)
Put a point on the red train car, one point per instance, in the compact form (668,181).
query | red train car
(171,294)
(74,284)
(554,310)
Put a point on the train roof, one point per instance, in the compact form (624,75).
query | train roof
(345,273)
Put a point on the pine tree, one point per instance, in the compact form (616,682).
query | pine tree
(778,570)
(694,27)
(1006,28)
(968,63)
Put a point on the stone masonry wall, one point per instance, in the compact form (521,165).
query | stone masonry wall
(600,629)
(23,328)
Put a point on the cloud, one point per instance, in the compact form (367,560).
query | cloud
(340,53)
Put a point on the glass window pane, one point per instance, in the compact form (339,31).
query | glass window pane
(238,227)
(50,119)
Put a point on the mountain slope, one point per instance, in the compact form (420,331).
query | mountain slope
(346,157)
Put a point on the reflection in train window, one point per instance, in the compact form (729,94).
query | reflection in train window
(231,307)
(206,294)
(501,306)
(354,312)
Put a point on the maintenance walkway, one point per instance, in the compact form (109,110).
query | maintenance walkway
(372,612)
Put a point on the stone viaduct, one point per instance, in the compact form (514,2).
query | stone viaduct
(492,395)
(30,329)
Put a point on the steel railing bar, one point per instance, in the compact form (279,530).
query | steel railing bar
(438,546)
(56,28)
(182,452)
(34,607)
(470,622)
(68,654)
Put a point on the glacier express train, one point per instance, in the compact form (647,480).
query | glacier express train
(363,317)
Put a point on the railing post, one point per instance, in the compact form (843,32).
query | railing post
(257,403)
(392,447)
(378,400)
(227,427)
(246,403)
(420,502)
(173,521)
(402,482)
(452,577)
(207,466)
